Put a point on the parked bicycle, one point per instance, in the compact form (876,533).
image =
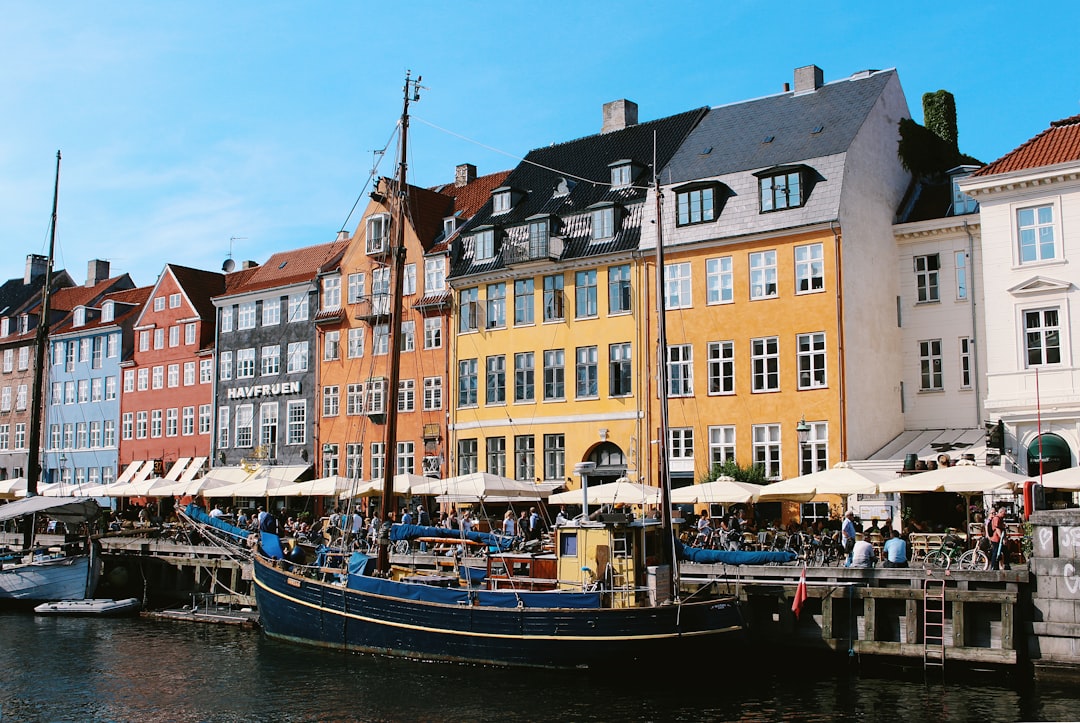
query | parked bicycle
(953,552)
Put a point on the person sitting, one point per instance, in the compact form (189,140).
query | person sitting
(894,551)
(862,553)
(216,513)
(704,529)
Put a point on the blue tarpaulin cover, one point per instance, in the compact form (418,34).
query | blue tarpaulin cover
(271,545)
(731,557)
(199,515)
(451,596)
(360,564)
(409,532)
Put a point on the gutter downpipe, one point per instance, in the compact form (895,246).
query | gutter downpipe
(974,326)
(838,258)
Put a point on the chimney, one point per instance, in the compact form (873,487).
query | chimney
(35,267)
(808,79)
(96,272)
(342,236)
(619,114)
(248,264)
(464,174)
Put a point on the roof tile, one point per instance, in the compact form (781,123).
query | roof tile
(1060,143)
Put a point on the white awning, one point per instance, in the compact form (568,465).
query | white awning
(927,444)
(193,469)
(144,472)
(177,469)
(128,472)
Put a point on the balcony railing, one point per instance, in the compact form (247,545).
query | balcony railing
(549,249)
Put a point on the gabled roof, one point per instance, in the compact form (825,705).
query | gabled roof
(777,129)
(1060,143)
(428,209)
(132,300)
(468,200)
(286,268)
(200,286)
(67,299)
(566,179)
(14,294)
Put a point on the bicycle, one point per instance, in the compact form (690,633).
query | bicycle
(952,547)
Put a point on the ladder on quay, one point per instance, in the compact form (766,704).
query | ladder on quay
(933,623)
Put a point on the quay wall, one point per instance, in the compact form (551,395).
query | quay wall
(1053,631)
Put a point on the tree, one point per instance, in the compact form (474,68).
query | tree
(753,474)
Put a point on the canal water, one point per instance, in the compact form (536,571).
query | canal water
(87,670)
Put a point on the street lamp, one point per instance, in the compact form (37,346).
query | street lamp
(583,469)
(803,433)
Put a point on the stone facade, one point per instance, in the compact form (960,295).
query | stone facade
(1054,644)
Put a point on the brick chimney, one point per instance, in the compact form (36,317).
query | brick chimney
(619,114)
(808,79)
(35,267)
(464,174)
(96,272)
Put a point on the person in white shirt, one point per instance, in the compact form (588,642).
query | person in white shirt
(862,554)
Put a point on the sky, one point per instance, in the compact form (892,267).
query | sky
(192,131)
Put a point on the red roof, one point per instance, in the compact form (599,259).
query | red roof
(1060,143)
(286,268)
(471,197)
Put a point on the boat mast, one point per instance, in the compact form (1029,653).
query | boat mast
(662,383)
(41,339)
(400,192)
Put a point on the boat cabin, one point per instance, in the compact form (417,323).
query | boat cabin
(615,553)
(522,571)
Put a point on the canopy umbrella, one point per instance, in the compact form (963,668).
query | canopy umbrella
(404,484)
(477,487)
(143,488)
(960,478)
(14,487)
(331,486)
(622,490)
(262,482)
(840,479)
(1063,479)
(721,491)
(192,487)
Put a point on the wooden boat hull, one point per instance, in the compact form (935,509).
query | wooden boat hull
(54,578)
(128,606)
(303,610)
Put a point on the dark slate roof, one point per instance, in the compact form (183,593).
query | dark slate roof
(736,133)
(14,294)
(583,165)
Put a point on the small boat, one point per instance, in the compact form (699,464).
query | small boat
(101,607)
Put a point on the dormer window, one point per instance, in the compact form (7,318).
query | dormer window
(107,311)
(5,326)
(449,225)
(500,201)
(961,202)
(80,316)
(696,204)
(622,174)
(781,188)
(378,232)
(604,221)
(331,292)
(484,245)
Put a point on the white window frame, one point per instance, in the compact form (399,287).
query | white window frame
(763,275)
(931,375)
(678,289)
(721,366)
(813,363)
(767,446)
(719,280)
(721,444)
(810,269)
(765,364)
(1037,226)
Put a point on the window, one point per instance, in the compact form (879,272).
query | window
(408,280)
(330,459)
(172,418)
(380,340)
(96,389)
(297,432)
(97,354)
(268,427)
(226,326)
(926,278)
(174,336)
(524,388)
(5,436)
(406,458)
(619,289)
(245,363)
(677,286)
(204,418)
(681,443)
(144,382)
(298,357)
(245,419)
(620,370)
(585,294)
(174,301)
(484,244)
(378,227)
(245,316)
(155,423)
(554,374)
(380,290)
(811,360)
(719,281)
(174,375)
(766,443)
(20,395)
(960,258)
(495,383)
(355,342)
(69,358)
(9,360)
(331,292)
(469,310)
(127,425)
(95,435)
(189,334)
(680,361)
(525,457)
(223,427)
(433,332)
(354,460)
(406,395)
(467,383)
(603,223)
(523,302)
(721,367)
(500,201)
(965,362)
(496,306)
(58,391)
(587,374)
(695,206)
(432,393)
(271,360)
(159,303)
(112,346)
(5,399)
(765,364)
(721,444)
(109,434)
(814,455)
(189,374)
(434,275)
(157,379)
(330,401)
(159,339)
(206,371)
(69,434)
(809,268)
(763,275)
(1035,231)
(553,298)
(1042,337)
(496,456)
(780,191)
(621,175)
(224,366)
(110,388)
(354,400)
(356,287)
(332,345)
(554,457)
(466,450)
(298,307)
(930,365)
(539,235)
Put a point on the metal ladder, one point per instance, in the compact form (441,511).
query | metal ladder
(933,622)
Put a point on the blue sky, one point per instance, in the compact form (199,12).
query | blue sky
(186,124)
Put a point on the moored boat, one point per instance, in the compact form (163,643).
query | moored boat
(93,606)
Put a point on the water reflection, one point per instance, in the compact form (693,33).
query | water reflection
(72,669)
